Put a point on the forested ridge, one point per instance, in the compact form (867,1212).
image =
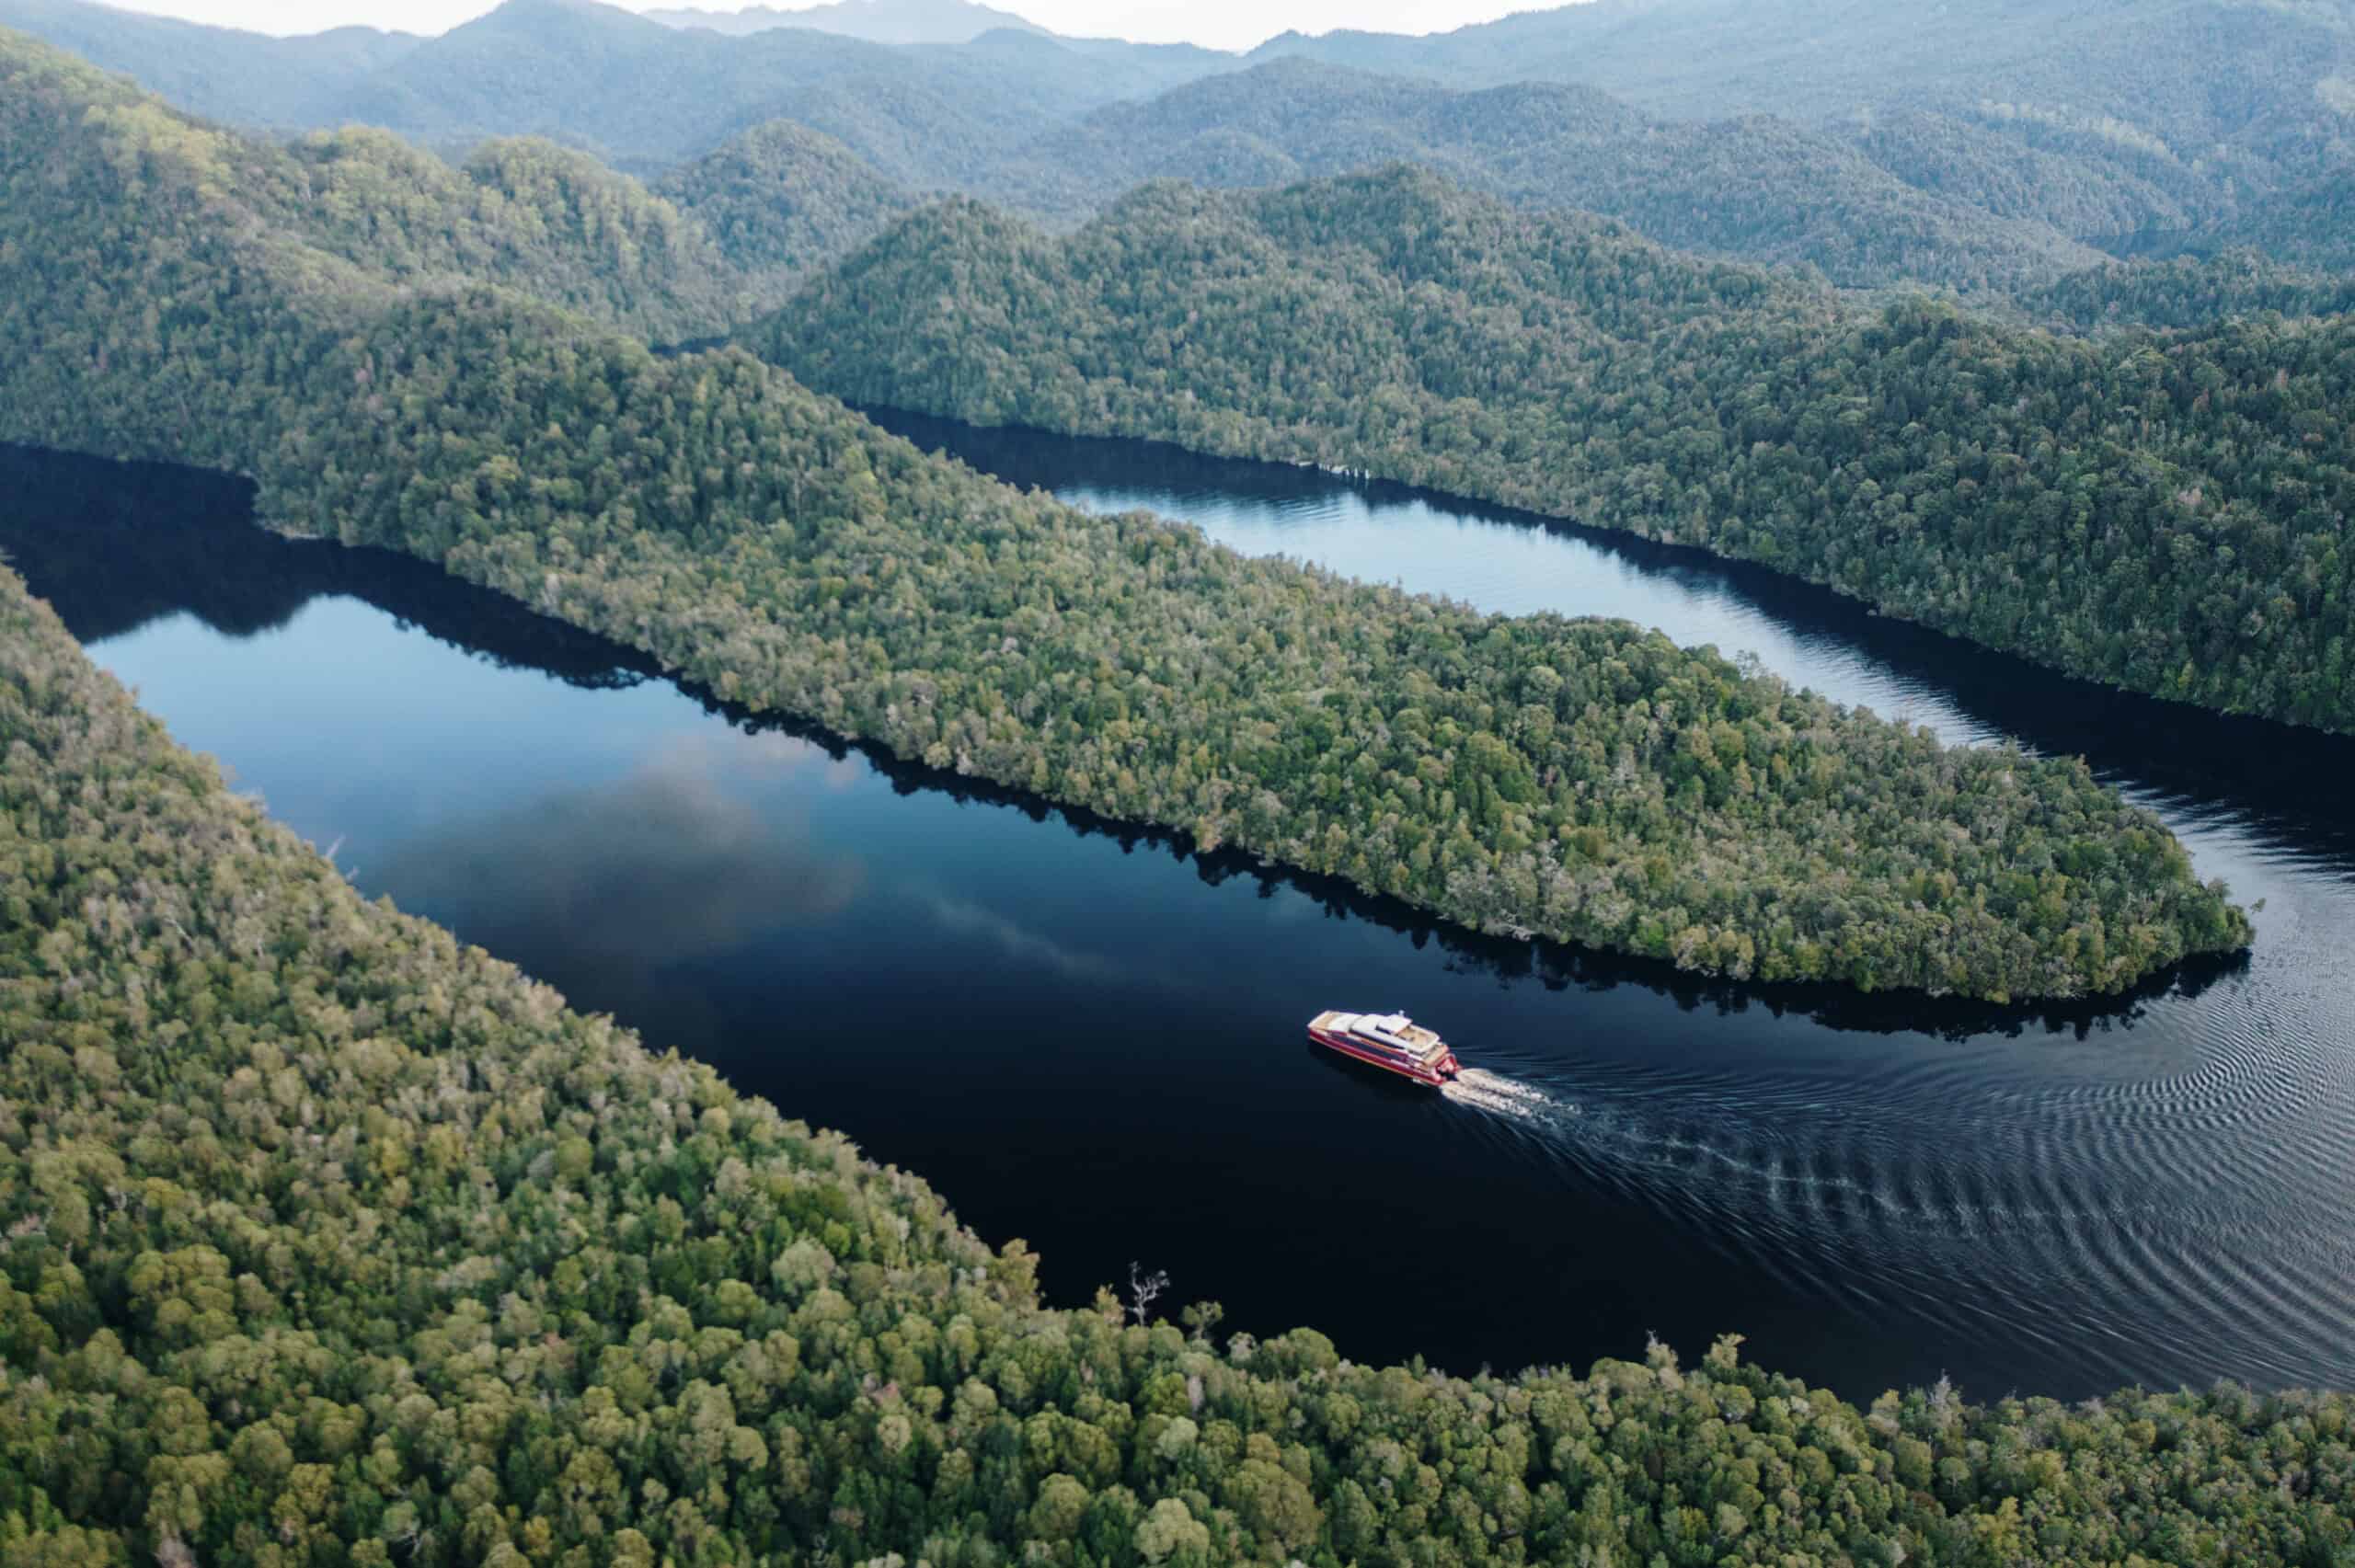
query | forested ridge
(1757,187)
(644,96)
(2115,65)
(528,215)
(1988,147)
(780,201)
(2165,513)
(2188,293)
(1580,779)
(325,1239)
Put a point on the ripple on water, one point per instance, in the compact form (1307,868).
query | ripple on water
(2156,1191)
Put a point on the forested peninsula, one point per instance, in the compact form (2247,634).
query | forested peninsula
(1583,779)
(324,1240)
(2163,513)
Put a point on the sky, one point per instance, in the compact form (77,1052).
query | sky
(1218,24)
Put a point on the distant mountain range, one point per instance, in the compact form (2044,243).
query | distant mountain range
(2186,71)
(877,21)
(240,78)
(640,94)
(1987,145)
(1759,187)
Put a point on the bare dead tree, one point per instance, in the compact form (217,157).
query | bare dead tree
(1143,1287)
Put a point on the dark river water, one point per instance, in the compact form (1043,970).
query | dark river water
(1091,1038)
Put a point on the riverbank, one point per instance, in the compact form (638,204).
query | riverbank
(791,910)
(499,1168)
(2161,511)
(1586,781)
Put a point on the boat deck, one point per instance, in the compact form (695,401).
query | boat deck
(1414,1042)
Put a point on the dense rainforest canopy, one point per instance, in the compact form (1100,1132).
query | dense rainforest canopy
(2165,513)
(1582,779)
(326,1240)
(2187,293)
(781,201)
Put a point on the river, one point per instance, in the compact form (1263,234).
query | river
(1088,1037)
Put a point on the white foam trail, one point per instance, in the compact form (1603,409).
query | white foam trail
(1506,1097)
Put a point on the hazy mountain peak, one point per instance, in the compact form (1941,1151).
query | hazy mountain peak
(538,23)
(877,21)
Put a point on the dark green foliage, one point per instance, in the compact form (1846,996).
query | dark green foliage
(1586,780)
(526,214)
(781,201)
(2168,516)
(2186,293)
(326,1240)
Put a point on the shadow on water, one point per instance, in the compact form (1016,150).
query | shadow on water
(118,545)
(165,540)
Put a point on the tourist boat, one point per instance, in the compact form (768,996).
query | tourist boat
(1391,1041)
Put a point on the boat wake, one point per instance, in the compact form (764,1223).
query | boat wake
(1507,1097)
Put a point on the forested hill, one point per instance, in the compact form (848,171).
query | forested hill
(2188,293)
(781,201)
(526,214)
(723,240)
(2168,514)
(649,95)
(330,1241)
(1759,188)
(2103,119)
(1585,779)
(523,214)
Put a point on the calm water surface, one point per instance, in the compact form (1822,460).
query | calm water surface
(1088,1038)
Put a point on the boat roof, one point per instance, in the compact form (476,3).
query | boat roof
(1391,1022)
(1394,1029)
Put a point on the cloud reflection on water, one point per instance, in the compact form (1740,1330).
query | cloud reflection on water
(963,918)
(663,864)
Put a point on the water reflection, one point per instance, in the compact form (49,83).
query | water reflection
(2264,779)
(1089,1038)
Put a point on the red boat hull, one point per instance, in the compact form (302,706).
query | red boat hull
(1433,1077)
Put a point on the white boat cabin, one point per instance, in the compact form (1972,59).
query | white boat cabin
(1390,1031)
